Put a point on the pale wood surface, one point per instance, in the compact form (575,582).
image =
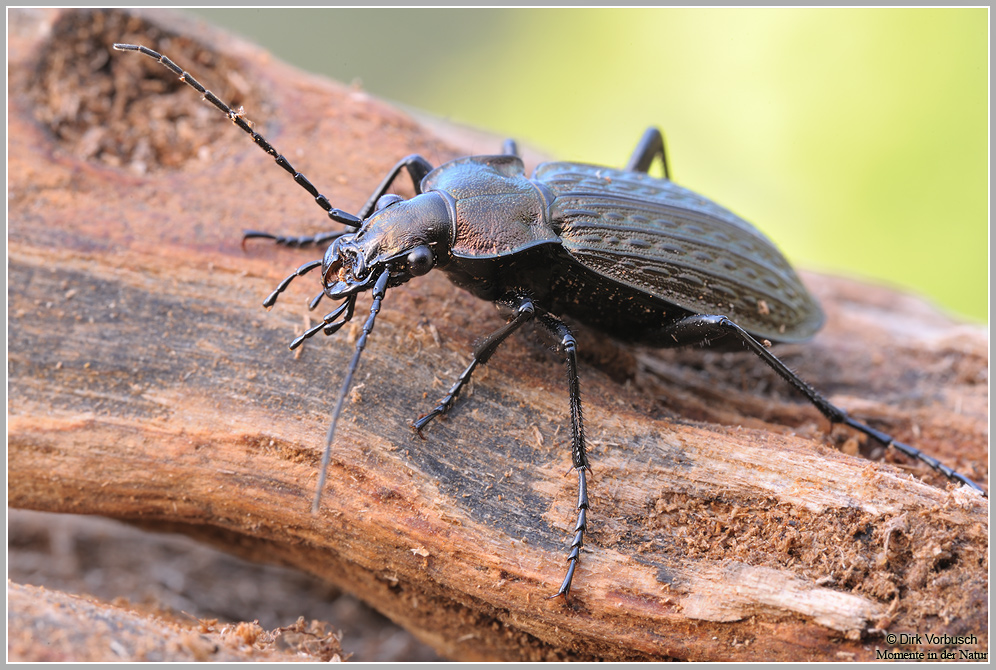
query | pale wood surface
(50,626)
(147,383)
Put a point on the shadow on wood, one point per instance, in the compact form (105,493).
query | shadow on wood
(146,383)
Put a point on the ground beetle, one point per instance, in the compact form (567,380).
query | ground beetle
(640,258)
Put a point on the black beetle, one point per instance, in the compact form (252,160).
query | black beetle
(640,258)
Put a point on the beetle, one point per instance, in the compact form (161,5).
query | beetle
(640,258)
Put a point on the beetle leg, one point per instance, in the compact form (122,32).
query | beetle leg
(524,310)
(417,168)
(702,327)
(509,148)
(650,146)
(293,240)
(568,346)
(578,452)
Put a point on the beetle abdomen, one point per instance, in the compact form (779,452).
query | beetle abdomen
(677,246)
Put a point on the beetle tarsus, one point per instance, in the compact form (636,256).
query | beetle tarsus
(523,311)
(579,529)
(294,241)
(700,327)
(416,428)
(329,323)
(912,452)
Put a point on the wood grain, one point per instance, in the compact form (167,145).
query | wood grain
(146,383)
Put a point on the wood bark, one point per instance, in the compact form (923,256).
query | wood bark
(50,626)
(146,383)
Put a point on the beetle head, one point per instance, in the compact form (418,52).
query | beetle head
(406,237)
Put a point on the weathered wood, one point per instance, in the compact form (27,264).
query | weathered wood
(185,580)
(48,626)
(146,383)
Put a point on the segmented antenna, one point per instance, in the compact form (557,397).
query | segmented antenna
(378,291)
(238,119)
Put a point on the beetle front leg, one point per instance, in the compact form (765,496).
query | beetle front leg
(417,168)
(524,310)
(701,328)
(317,239)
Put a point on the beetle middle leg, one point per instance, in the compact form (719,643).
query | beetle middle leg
(524,310)
(568,346)
(701,328)
(650,146)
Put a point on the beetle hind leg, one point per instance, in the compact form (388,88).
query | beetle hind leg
(701,328)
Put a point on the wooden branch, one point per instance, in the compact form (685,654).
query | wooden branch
(47,626)
(146,383)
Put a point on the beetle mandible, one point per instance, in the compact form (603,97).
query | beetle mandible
(640,258)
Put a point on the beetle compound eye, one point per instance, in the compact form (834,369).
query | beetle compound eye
(387,200)
(420,261)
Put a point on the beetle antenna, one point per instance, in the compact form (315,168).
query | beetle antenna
(378,292)
(238,118)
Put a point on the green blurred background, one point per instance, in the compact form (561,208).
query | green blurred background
(857,139)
